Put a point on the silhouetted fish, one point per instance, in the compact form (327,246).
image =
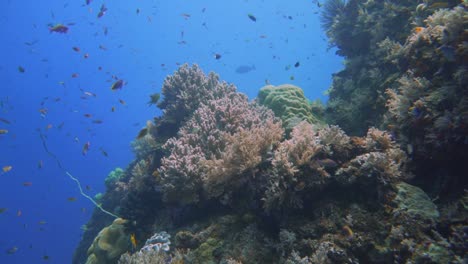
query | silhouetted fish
(245,69)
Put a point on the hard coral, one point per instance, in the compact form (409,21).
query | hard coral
(287,102)
(428,105)
(110,243)
(113,177)
(224,138)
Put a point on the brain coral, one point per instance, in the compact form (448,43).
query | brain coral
(287,102)
(109,244)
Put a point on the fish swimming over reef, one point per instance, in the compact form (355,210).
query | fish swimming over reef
(154,98)
(245,69)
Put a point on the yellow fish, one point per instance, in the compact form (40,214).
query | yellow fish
(441,4)
(7,168)
(3,131)
(133,240)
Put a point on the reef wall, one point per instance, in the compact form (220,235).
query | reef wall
(228,180)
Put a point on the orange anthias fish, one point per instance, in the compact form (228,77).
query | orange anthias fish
(418,29)
(86,148)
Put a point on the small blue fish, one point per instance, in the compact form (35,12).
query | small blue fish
(244,69)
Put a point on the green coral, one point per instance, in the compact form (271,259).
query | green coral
(415,202)
(109,244)
(204,253)
(289,103)
(98,197)
(113,177)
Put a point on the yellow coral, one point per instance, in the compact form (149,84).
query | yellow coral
(109,244)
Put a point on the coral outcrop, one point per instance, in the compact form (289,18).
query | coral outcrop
(219,147)
(113,177)
(287,102)
(230,186)
(109,244)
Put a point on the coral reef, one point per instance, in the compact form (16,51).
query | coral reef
(357,30)
(222,177)
(184,91)
(333,10)
(113,177)
(414,201)
(315,157)
(153,257)
(109,244)
(428,105)
(158,242)
(287,102)
(411,81)
(219,146)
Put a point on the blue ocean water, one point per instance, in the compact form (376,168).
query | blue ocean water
(50,89)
